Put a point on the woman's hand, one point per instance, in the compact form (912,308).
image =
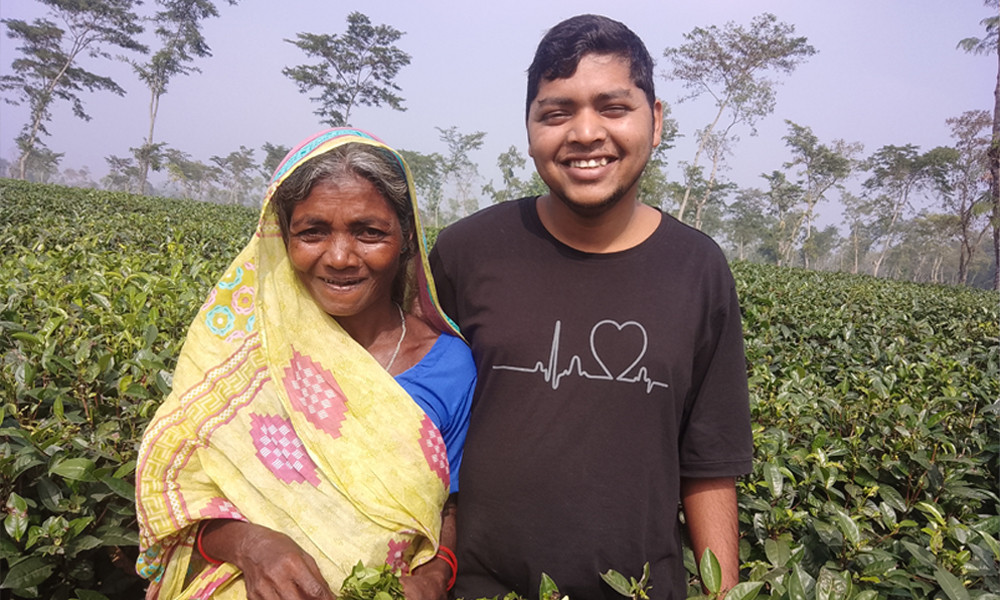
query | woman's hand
(428,581)
(274,566)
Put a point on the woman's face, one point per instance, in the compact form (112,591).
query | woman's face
(344,242)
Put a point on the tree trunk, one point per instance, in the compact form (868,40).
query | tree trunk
(38,113)
(703,201)
(994,157)
(878,264)
(697,155)
(29,144)
(805,252)
(154,107)
(855,243)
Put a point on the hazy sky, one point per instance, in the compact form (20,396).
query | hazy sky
(886,72)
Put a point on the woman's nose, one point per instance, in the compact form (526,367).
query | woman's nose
(341,252)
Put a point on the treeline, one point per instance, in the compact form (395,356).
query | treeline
(906,212)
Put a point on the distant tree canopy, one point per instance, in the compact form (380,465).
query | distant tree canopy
(178,29)
(47,71)
(906,212)
(356,68)
(732,64)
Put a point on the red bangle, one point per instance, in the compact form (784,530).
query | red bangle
(201,550)
(445,554)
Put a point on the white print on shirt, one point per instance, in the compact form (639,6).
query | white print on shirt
(575,367)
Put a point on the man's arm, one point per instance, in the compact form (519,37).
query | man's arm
(710,511)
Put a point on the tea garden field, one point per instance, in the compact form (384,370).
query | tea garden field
(875,406)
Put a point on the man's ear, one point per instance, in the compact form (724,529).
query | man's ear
(657,122)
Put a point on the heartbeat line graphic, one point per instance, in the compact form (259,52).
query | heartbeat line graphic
(575,367)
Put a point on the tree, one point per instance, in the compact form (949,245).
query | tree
(178,26)
(273,155)
(123,174)
(821,168)
(356,68)
(783,197)
(897,172)
(46,71)
(858,212)
(718,146)
(428,180)
(195,178)
(748,222)
(817,250)
(990,44)
(654,187)
(459,170)
(77,178)
(965,188)
(236,173)
(733,65)
(925,246)
(129,174)
(513,187)
(41,164)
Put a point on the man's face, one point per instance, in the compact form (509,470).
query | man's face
(591,134)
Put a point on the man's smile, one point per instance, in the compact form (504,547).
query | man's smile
(589,164)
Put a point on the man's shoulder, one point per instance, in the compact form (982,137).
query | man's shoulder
(492,219)
(681,236)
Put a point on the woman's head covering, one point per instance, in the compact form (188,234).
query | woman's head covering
(423,303)
(278,417)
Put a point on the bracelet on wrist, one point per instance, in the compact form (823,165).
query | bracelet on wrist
(445,554)
(201,549)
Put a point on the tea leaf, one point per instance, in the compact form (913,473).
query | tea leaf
(618,582)
(711,571)
(27,573)
(951,585)
(745,590)
(77,469)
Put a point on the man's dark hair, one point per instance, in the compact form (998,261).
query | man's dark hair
(561,49)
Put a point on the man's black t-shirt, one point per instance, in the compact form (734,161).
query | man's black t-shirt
(603,379)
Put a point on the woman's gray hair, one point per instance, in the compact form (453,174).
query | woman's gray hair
(377,165)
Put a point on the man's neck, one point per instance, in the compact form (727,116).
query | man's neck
(623,226)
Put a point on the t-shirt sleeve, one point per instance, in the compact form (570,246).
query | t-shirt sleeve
(716,438)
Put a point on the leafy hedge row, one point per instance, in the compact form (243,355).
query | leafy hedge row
(96,292)
(875,406)
(876,430)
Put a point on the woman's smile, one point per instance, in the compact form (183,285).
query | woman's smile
(344,243)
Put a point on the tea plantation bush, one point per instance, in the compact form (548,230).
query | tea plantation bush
(875,406)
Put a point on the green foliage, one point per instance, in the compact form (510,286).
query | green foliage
(459,170)
(630,587)
(513,187)
(736,66)
(875,417)
(98,289)
(875,407)
(356,68)
(47,69)
(371,583)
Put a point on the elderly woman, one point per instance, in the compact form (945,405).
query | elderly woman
(320,401)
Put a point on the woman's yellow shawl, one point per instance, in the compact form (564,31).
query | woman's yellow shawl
(279,418)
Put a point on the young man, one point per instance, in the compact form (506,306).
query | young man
(607,338)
